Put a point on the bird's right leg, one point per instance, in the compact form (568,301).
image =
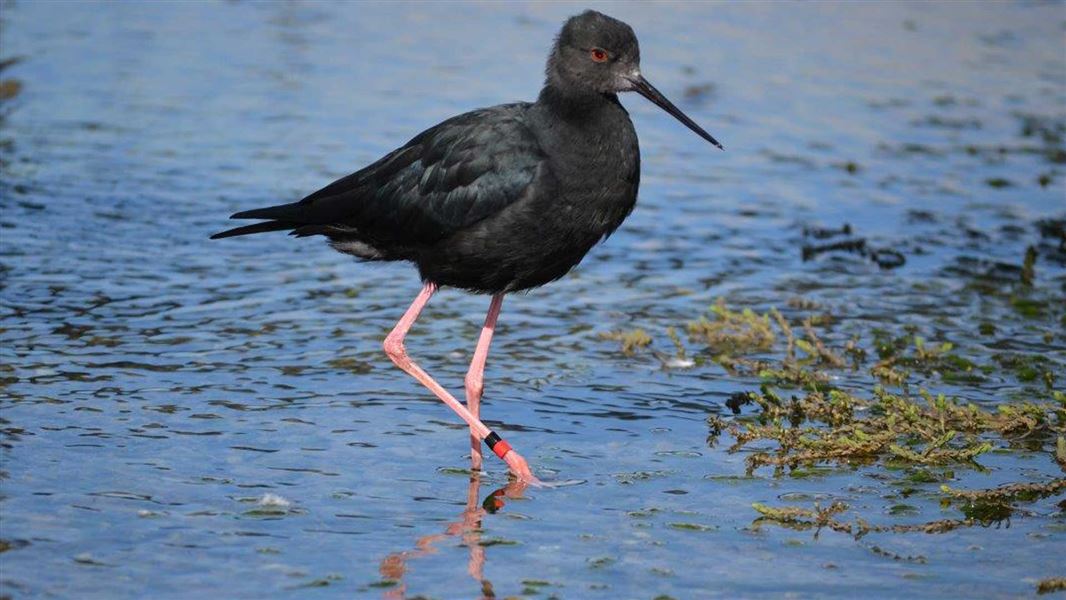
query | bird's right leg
(395,349)
(475,377)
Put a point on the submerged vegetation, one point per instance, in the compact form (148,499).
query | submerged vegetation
(632,340)
(836,426)
(1053,584)
(820,420)
(827,397)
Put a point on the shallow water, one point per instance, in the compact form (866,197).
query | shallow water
(183,416)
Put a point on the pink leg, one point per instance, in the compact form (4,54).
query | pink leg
(475,377)
(395,349)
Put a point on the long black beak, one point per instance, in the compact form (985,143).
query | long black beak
(645,88)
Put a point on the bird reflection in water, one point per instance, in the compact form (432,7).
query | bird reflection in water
(394,566)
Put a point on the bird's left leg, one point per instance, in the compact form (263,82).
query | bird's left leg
(475,377)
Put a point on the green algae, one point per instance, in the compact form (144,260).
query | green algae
(825,518)
(841,427)
(729,333)
(1052,584)
(631,340)
(998,504)
(811,416)
(919,426)
(683,526)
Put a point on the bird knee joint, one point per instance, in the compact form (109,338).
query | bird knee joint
(475,384)
(394,348)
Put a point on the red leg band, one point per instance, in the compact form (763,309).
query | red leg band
(501,448)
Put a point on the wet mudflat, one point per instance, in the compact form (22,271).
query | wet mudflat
(182,416)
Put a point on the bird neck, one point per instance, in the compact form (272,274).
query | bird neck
(570,103)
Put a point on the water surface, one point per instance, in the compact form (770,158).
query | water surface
(184,417)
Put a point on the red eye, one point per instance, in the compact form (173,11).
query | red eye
(598,55)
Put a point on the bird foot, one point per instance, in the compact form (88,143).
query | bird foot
(520,467)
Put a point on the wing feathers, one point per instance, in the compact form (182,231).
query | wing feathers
(445,179)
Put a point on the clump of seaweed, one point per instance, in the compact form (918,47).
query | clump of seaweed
(901,356)
(929,434)
(1007,493)
(839,427)
(731,337)
(983,507)
(631,340)
(820,518)
(823,423)
(998,503)
(1052,584)
(731,333)
(742,342)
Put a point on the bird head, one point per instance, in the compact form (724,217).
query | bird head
(595,53)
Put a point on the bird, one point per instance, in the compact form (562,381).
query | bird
(497,200)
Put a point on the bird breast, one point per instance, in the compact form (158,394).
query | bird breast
(598,167)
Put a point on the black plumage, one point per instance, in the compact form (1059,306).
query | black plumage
(499,199)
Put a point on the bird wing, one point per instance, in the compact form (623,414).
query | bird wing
(443,180)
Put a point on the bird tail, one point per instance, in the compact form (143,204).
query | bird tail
(277,218)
